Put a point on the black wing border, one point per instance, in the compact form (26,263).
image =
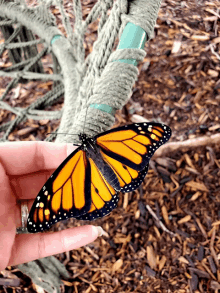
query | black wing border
(72,213)
(150,149)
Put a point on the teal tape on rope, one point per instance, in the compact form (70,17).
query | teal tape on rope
(104,108)
(133,37)
(56,37)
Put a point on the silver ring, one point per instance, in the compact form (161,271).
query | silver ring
(24,217)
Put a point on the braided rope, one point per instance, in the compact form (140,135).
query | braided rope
(97,79)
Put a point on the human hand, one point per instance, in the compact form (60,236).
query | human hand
(24,168)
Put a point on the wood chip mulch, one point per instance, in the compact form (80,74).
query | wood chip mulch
(163,237)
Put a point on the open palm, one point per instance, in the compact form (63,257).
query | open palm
(24,168)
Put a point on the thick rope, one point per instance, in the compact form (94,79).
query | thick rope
(92,80)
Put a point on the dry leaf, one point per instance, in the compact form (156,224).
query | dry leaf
(197,186)
(165,215)
(117,265)
(183,259)
(185,219)
(151,257)
(162,262)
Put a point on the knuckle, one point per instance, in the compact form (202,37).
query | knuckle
(39,157)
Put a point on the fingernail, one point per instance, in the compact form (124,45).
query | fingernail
(99,230)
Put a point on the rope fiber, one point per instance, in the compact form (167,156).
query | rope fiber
(98,78)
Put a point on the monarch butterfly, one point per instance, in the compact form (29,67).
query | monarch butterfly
(86,184)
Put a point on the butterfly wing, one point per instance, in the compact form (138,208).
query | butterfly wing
(135,182)
(67,193)
(133,145)
(127,150)
(79,189)
(106,206)
(103,196)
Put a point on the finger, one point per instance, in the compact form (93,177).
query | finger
(7,218)
(28,247)
(32,156)
(26,189)
(28,186)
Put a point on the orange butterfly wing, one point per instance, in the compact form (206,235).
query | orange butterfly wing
(78,187)
(133,145)
(66,194)
(103,196)
(127,150)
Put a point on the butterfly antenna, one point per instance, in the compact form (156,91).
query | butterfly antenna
(85,119)
(61,133)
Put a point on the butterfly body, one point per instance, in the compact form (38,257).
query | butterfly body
(89,145)
(87,183)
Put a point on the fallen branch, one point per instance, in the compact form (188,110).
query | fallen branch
(171,147)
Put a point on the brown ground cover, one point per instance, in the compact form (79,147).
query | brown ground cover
(173,244)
